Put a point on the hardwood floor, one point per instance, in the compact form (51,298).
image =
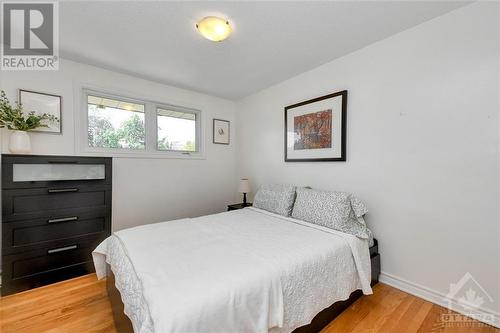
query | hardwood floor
(390,310)
(77,305)
(81,305)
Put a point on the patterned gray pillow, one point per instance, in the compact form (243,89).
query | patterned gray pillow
(358,207)
(329,209)
(275,198)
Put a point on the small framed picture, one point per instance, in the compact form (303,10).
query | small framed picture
(315,130)
(41,103)
(221,132)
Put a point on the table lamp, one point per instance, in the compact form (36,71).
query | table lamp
(244,188)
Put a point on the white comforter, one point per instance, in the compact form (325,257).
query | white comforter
(241,271)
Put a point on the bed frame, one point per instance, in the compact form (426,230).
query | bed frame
(124,325)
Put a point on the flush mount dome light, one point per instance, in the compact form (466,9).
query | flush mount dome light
(214,28)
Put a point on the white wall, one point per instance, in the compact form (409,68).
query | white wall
(423,131)
(422,146)
(144,190)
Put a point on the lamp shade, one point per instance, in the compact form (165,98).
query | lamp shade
(244,186)
(214,28)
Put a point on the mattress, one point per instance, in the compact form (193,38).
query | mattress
(277,273)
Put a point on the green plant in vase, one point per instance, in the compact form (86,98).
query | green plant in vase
(14,118)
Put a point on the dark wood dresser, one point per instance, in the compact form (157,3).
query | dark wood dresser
(55,211)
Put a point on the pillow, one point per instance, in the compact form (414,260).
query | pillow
(333,210)
(358,207)
(275,198)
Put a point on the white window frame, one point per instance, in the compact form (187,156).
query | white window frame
(197,114)
(151,129)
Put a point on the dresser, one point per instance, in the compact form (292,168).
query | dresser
(55,211)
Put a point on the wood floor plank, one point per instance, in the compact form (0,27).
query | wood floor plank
(380,314)
(485,329)
(413,318)
(393,324)
(82,305)
(358,311)
(432,322)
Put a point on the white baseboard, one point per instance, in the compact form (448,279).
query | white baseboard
(435,297)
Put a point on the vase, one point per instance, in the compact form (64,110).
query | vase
(20,142)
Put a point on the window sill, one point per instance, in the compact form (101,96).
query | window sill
(145,155)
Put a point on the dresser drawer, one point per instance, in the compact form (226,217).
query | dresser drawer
(10,287)
(28,171)
(52,201)
(48,263)
(20,236)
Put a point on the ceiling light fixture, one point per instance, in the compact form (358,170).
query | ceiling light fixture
(214,28)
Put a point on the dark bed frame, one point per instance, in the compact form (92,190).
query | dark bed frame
(124,325)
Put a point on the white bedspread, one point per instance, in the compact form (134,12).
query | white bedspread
(241,271)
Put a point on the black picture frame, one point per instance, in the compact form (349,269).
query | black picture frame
(59,116)
(343,135)
(215,120)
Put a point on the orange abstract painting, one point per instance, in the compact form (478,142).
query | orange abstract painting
(313,130)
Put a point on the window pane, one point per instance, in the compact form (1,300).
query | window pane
(176,130)
(115,124)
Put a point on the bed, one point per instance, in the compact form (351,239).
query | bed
(247,270)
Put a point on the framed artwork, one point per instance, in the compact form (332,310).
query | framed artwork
(42,103)
(221,132)
(315,130)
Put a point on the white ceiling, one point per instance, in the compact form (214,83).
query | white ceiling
(271,41)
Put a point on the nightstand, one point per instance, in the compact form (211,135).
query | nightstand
(238,206)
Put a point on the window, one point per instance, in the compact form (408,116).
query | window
(114,123)
(122,125)
(176,130)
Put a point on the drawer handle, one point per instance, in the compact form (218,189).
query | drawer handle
(62,249)
(62,162)
(63,219)
(62,190)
